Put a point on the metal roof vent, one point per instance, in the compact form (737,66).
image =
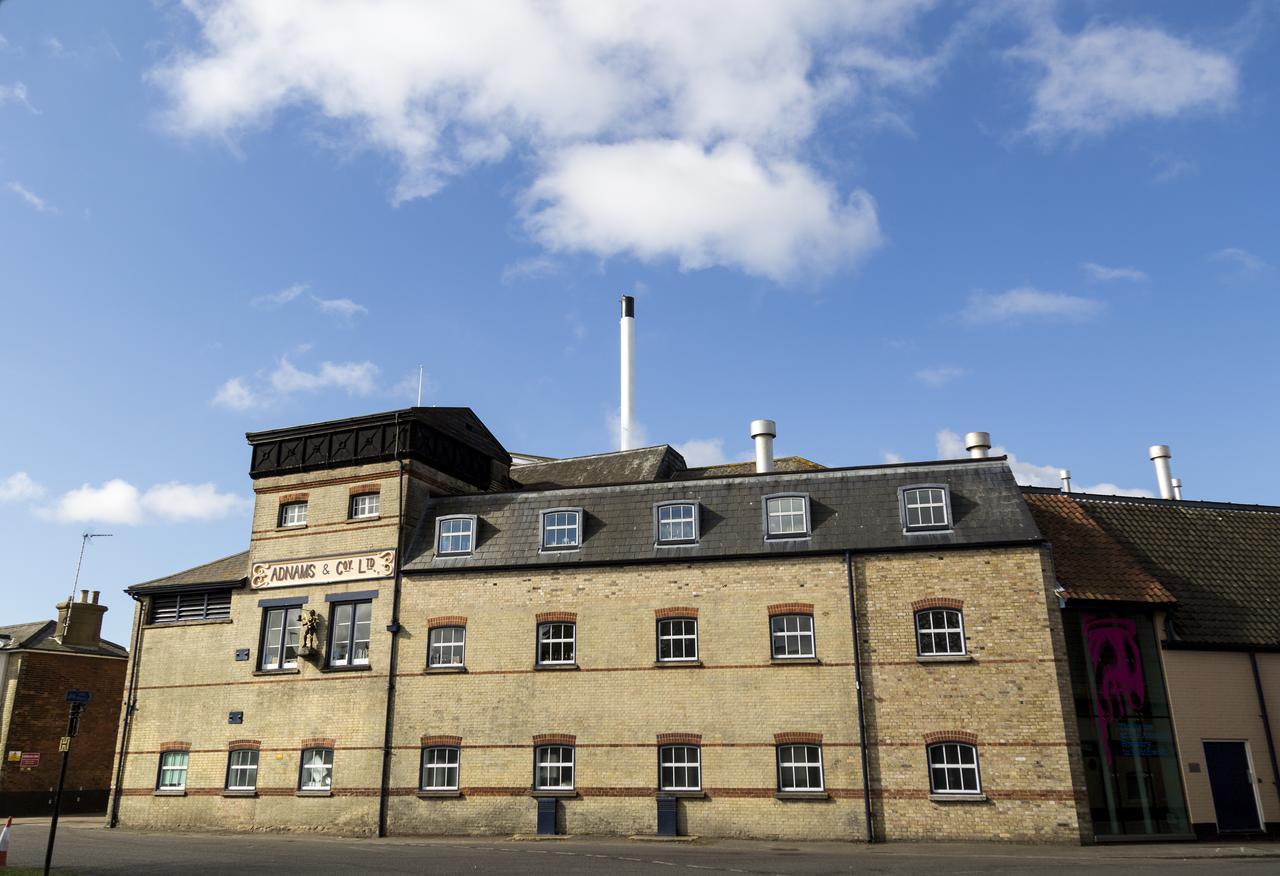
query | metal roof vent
(763,432)
(978,444)
(1065,474)
(1159,454)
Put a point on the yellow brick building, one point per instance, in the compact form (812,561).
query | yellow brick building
(600,637)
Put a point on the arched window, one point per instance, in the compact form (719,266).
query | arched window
(939,632)
(953,768)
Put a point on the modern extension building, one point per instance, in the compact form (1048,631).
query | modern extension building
(423,638)
(39,663)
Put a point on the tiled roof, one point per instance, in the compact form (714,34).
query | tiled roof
(621,467)
(1088,562)
(39,636)
(228,570)
(781,464)
(851,509)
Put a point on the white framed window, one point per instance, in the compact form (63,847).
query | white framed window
(792,636)
(556,643)
(440,768)
(953,769)
(800,768)
(293,514)
(939,632)
(677,639)
(365,505)
(280,631)
(676,522)
(786,516)
(173,771)
(561,529)
(455,535)
(317,770)
(349,638)
(447,646)
(242,769)
(553,768)
(926,507)
(680,768)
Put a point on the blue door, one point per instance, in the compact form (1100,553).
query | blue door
(1231,781)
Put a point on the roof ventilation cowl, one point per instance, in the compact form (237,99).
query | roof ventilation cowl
(763,432)
(1160,455)
(978,444)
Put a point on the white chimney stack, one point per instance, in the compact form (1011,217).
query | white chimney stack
(626,412)
(1160,455)
(1065,474)
(977,443)
(1177,488)
(763,432)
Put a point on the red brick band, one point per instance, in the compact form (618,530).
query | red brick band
(293,497)
(554,739)
(679,739)
(244,743)
(675,611)
(937,602)
(441,740)
(446,620)
(318,742)
(791,608)
(364,489)
(175,746)
(797,738)
(553,617)
(951,736)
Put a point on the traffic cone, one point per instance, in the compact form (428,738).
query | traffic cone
(4,844)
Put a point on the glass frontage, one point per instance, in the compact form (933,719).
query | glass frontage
(1126,732)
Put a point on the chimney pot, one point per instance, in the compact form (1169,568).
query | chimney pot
(977,443)
(84,595)
(1160,455)
(1177,488)
(763,432)
(1065,474)
(94,597)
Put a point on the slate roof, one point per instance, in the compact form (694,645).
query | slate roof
(1220,561)
(232,571)
(851,509)
(781,464)
(1089,563)
(620,467)
(39,636)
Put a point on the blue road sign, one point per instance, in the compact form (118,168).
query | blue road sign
(79,696)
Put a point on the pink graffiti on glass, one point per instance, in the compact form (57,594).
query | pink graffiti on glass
(1116,663)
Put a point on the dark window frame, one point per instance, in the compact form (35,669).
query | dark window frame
(284,628)
(931,527)
(657,522)
(334,607)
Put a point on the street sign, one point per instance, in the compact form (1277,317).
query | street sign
(64,744)
(79,696)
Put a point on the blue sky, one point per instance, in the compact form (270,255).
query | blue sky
(880,224)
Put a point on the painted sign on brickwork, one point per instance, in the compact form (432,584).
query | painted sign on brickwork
(323,570)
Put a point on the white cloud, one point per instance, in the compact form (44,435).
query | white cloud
(1245,261)
(355,378)
(672,199)
(118,501)
(1108,75)
(444,87)
(235,395)
(1103,274)
(951,446)
(16,93)
(941,375)
(343,308)
(1170,167)
(19,487)
(703,451)
(892,458)
(281,298)
(1027,303)
(32,200)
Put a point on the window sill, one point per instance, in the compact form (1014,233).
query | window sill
(802,795)
(928,530)
(314,794)
(783,539)
(944,658)
(677,664)
(683,795)
(245,793)
(187,623)
(563,550)
(543,792)
(958,798)
(802,661)
(365,667)
(556,667)
(676,544)
(291,528)
(277,672)
(438,795)
(455,555)
(444,670)
(169,792)
(364,519)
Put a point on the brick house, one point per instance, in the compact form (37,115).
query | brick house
(424,638)
(39,663)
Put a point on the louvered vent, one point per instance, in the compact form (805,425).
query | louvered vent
(171,608)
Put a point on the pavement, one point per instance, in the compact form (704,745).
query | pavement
(85,847)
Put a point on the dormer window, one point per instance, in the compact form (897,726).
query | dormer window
(293,514)
(925,507)
(562,529)
(676,522)
(456,535)
(786,516)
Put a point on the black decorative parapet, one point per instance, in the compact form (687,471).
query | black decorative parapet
(451,440)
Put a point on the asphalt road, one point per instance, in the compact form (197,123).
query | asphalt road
(84,847)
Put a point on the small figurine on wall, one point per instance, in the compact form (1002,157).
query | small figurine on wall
(310,633)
